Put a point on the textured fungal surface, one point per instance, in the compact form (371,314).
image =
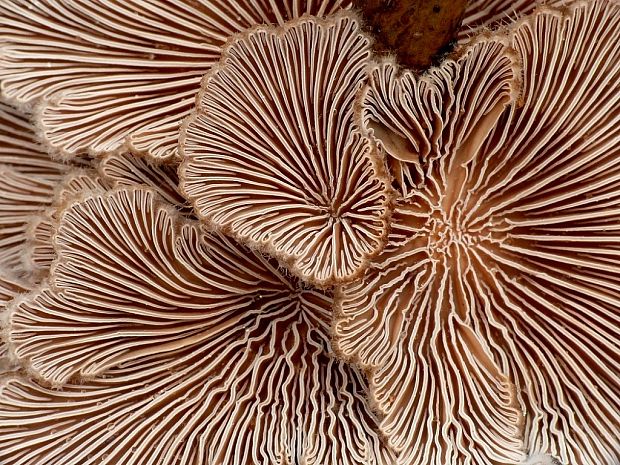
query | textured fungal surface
(10,287)
(27,182)
(37,253)
(155,342)
(121,74)
(124,170)
(490,323)
(484,14)
(272,155)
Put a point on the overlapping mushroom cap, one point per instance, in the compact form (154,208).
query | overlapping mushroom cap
(28,179)
(481,15)
(121,74)
(272,155)
(166,344)
(10,288)
(490,322)
(115,170)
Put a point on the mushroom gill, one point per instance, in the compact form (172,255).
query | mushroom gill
(126,170)
(10,288)
(120,170)
(482,15)
(490,322)
(272,155)
(157,342)
(38,251)
(121,74)
(28,178)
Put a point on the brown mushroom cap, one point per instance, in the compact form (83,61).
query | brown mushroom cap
(121,75)
(490,322)
(272,155)
(175,344)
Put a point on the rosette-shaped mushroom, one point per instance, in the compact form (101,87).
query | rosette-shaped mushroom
(167,344)
(272,155)
(491,323)
(28,178)
(121,74)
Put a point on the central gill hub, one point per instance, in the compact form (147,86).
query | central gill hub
(446,232)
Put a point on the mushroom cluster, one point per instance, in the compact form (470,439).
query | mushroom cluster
(234,233)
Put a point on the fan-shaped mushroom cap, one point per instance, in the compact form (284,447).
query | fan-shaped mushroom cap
(28,178)
(398,320)
(121,74)
(113,171)
(38,251)
(175,344)
(272,156)
(492,316)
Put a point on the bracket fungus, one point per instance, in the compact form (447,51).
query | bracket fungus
(120,170)
(158,342)
(120,76)
(355,265)
(490,322)
(272,155)
(38,251)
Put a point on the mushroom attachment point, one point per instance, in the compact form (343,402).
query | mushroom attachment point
(119,76)
(416,31)
(490,322)
(155,341)
(272,155)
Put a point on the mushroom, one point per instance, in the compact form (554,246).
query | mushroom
(10,288)
(158,342)
(27,181)
(127,170)
(490,322)
(121,75)
(402,322)
(38,251)
(272,155)
(482,15)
